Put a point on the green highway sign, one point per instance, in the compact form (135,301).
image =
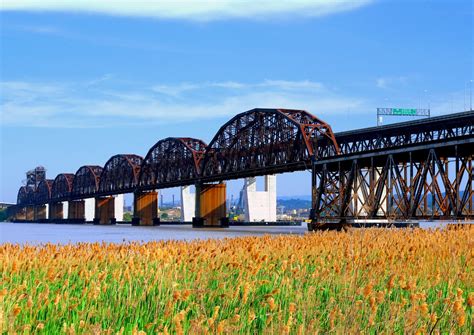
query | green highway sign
(404,111)
(401,112)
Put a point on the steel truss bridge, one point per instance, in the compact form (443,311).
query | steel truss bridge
(411,170)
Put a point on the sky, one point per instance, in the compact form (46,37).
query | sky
(83,80)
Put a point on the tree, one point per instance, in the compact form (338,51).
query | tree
(3,214)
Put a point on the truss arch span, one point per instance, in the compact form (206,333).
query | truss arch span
(120,174)
(262,138)
(172,160)
(25,196)
(86,181)
(43,193)
(62,186)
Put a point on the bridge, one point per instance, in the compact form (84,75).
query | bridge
(407,171)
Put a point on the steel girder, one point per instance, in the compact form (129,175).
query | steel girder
(86,181)
(407,134)
(26,196)
(171,161)
(266,141)
(120,174)
(43,193)
(62,187)
(434,183)
(266,138)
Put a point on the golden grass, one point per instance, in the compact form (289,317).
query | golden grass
(364,281)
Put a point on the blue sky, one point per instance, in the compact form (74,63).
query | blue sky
(84,80)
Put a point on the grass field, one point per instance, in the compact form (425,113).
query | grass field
(370,281)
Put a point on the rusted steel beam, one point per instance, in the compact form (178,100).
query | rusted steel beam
(172,160)
(62,187)
(120,174)
(397,188)
(86,182)
(266,139)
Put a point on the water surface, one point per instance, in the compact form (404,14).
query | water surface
(35,233)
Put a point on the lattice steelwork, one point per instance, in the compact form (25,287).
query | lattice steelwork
(120,174)
(62,186)
(266,139)
(415,170)
(397,191)
(86,181)
(407,134)
(412,170)
(43,193)
(171,161)
(35,176)
(25,195)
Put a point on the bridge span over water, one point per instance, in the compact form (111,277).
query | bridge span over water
(406,171)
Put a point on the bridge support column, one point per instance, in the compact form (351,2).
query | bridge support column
(20,214)
(118,212)
(76,211)
(104,210)
(260,205)
(188,204)
(89,209)
(56,211)
(211,206)
(65,209)
(145,208)
(30,213)
(41,213)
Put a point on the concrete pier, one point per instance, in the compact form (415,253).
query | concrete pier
(145,208)
(104,210)
(41,213)
(89,209)
(188,204)
(260,205)
(30,213)
(76,212)
(108,210)
(56,211)
(210,205)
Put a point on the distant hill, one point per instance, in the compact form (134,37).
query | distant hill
(294,203)
(294,197)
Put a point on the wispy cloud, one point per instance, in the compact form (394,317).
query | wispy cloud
(284,85)
(99,80)
(38,29)
(195,10)
(95,103)
(390,82)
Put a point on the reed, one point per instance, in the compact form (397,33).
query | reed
(372,281)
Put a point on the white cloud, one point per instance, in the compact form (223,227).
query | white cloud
(293,85)
(390,82)
(175,90)
(99,80)
(285,85)
(99,105)
(196,10)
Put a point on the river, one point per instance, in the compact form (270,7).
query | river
(36,233)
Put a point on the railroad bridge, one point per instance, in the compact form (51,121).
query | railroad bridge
(406,171)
